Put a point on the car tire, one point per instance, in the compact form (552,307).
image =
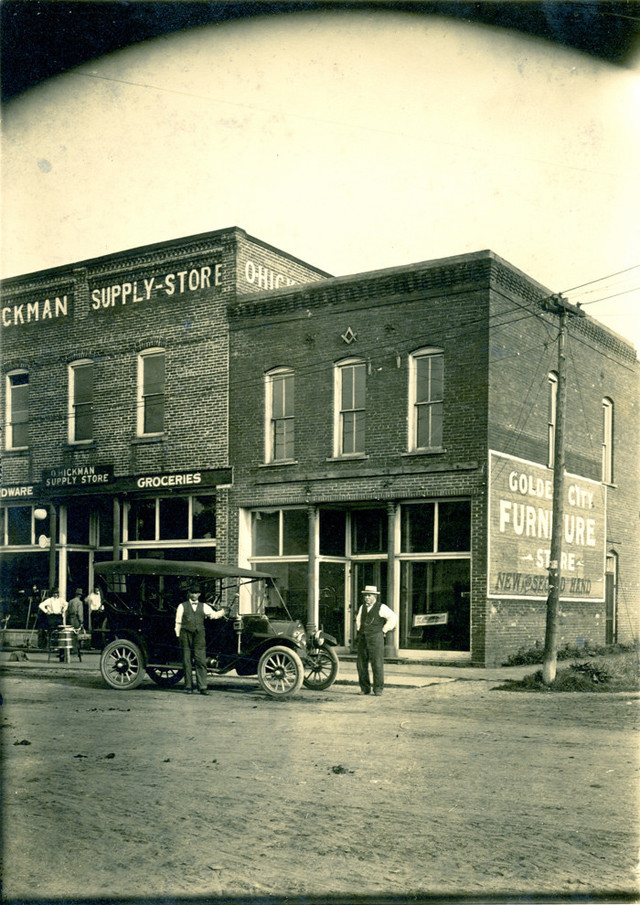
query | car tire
(321,668)
(165,676)
(280,671)
(122,664)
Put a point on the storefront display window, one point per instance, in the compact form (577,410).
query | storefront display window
(434,605)
(170,518)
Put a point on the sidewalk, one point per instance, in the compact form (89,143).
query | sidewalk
(409,675)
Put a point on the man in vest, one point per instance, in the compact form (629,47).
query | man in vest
(373,620)
(189,628)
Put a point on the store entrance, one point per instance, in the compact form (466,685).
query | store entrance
(366,573)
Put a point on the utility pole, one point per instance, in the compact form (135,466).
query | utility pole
(559,306)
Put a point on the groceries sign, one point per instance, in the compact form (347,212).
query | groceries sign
(519,540)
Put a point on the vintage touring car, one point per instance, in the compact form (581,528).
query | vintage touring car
(256,637)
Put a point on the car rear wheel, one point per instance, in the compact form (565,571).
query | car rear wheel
(321,668)
(166,677)
(280,671)
(121,664)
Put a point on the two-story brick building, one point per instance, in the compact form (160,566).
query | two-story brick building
(397,428)
(216,398)
(115,401)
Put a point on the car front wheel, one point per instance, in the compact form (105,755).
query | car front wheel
(280,671)
(121,664)
(321,668)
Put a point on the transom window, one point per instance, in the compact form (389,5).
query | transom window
(280,398)
(350,406)
(426,387)
(17,411)
(171,518)
(151,392)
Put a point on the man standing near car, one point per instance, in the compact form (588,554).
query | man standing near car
(189,628)
(373,620)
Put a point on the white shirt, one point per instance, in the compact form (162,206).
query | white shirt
(391,620)
(54,606)
(209,613)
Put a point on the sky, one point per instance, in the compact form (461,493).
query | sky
(354,140)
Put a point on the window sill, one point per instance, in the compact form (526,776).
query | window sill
(435,451)
(354,457)
(151,438)
(81,444)
(277,462)
(16,451)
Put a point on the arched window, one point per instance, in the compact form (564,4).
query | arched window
(279,411)
(350,407)
(80,401)
(151,392)
(17,409)
(426,393)
(607,441)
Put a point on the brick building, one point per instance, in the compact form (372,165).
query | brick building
(216,398)
(396,428)
(115,401)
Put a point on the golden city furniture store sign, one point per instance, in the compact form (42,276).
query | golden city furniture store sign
(519,540)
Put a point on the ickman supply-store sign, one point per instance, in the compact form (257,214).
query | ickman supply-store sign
(519,539)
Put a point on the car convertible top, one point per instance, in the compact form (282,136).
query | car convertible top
(176,567)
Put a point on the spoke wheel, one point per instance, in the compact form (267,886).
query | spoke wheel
(280,672)
(121,664)
(166,677)
(321,668)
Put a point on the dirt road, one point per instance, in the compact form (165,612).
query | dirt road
(446,790)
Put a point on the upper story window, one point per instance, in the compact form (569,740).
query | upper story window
(280,397)
(17,411)
(551,418)
(151,392)
(350,410)
(607,441)
(80,401)
(426,390)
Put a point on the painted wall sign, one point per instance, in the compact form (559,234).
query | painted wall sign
(17,492)
(519,537)
(44,310)
(77,477)
(264,277)
(132,292)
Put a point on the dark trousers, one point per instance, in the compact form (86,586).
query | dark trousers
(193,645)
(370,650)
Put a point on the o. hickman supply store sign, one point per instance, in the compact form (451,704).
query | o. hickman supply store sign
(519,541)
(87,478)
